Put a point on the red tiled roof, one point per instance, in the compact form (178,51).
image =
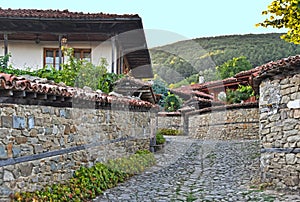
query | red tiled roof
(132,80)
(212,84)
(35,13)
(203,101)
(16,83)
(188,91)
(285,62)
(273,68)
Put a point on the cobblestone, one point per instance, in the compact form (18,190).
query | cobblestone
(195,170)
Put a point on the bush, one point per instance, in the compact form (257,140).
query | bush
(160,139)
(87,183)
(172,103)
(107,82)
(241,94)
(170,132)
(159,87)
(90,75)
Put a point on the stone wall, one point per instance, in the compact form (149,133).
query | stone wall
(280,131)
(41,145)
(170,120)
(225,123)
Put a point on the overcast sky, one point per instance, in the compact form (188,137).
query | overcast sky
(169,20)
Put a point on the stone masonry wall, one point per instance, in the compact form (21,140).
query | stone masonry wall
(226,124)
(280,131)
(40,145)
(170,121)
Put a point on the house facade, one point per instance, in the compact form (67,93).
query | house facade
(37,38)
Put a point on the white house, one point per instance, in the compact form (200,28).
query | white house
(35,38)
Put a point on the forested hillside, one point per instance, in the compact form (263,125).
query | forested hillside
(180,60)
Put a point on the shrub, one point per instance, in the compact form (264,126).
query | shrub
(159,87)
(90,75)
(242,93)
(171,132)
(87,183)
(172,103)
(107,82)
(160,139)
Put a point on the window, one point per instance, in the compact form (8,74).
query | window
(83,54)
(51,56)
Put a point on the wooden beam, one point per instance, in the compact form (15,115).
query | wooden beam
(6,93)
(19,94)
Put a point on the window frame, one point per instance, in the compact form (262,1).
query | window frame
(54,50)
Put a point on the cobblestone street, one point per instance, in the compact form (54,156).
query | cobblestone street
(194,170)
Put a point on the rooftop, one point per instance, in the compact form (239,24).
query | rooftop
(37,13)
(19,90)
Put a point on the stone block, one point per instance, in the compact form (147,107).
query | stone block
(290,133)
(292,181)
(295,104)
(285,81)
(7,121)
(33,133)
(16,150)
(30,122)
(48,131)
(8,176)
(21,140)
(26,169)
(285,99)
(295,138)
(4,132)
(19,122)
(3,153)
(5,191)
(290,159)
(274,117)
(47,110)
(38,148)
(67,130)
(39,121)
(297,113)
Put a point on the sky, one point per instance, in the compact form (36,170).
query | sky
(166,21)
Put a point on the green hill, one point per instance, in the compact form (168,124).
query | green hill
(175,62)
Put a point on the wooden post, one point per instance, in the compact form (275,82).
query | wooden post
(113,56)
(59,52)
(5,46)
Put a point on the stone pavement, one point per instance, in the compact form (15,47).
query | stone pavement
(199,170)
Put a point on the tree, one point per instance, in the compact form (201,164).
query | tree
(232,67)
(209,75)
(172,103)
(159,87)
(284,14)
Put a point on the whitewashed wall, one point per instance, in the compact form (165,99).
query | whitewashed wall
(28,54)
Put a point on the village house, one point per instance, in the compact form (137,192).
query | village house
(36,38)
